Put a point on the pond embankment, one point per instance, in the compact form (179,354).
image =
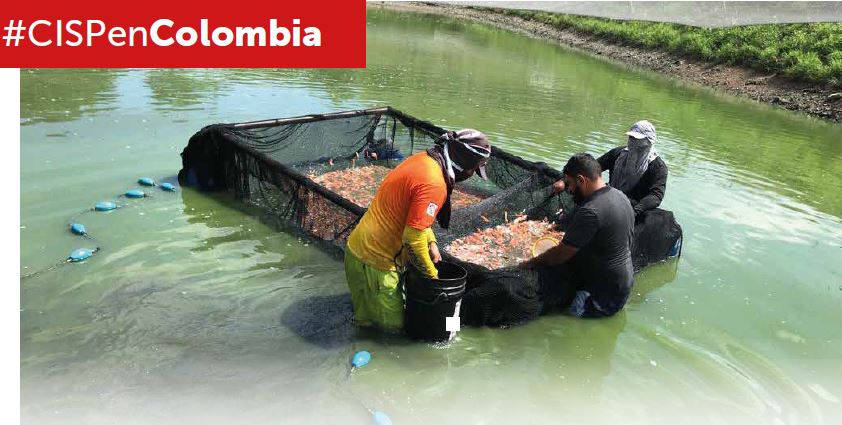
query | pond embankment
(800,79)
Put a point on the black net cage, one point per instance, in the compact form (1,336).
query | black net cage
(318,173)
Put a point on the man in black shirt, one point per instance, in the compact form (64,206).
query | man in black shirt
(596,247)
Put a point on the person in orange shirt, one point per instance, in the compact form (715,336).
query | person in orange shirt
(398,224)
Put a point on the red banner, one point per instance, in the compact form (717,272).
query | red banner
(170,34)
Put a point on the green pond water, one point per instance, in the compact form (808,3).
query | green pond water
(196,312)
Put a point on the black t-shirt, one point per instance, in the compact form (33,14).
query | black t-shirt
(602,228)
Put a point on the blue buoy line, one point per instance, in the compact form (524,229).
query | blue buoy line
(135,194)
(76,256)
(78,229)
(105,206)
(358,360)
(81,254)
(146,181)
(380,418)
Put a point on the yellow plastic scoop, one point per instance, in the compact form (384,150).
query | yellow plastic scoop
(543,245)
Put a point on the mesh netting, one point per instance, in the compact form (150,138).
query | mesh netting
(320,172)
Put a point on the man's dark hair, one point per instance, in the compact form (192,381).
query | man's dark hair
(582,164)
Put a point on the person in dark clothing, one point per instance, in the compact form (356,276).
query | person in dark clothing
(635,169)
(639,172)
(382,149)
(596,248)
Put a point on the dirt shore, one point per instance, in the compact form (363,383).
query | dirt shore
(813,99)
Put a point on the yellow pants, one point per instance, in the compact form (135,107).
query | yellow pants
(374,293)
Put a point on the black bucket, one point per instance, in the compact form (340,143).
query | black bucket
(430,301)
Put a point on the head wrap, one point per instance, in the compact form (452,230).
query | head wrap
(635,158)
(466,149)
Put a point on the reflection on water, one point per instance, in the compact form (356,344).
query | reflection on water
(198,310)
(177,90)
(52,95)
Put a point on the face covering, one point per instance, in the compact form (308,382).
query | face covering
(462,175)
(457,171)
(632,163)
(471,147)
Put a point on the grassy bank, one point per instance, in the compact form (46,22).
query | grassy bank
(807,52)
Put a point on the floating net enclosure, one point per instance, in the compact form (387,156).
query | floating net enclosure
(320,172)
(317,172)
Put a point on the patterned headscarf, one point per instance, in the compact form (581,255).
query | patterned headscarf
(456,151)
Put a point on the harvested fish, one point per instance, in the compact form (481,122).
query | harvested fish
(323,218)
(505,245)
(460,199)
(359,185)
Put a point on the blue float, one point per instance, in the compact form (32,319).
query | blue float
(105,206)
(361,358)
(134,193)
(78,229)
(80,254)
(168,187)
(380,418)
(146,181)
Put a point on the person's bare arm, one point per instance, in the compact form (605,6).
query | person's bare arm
(554,256)
(582,228)
(435,255)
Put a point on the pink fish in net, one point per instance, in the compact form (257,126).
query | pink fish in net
(504,245)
